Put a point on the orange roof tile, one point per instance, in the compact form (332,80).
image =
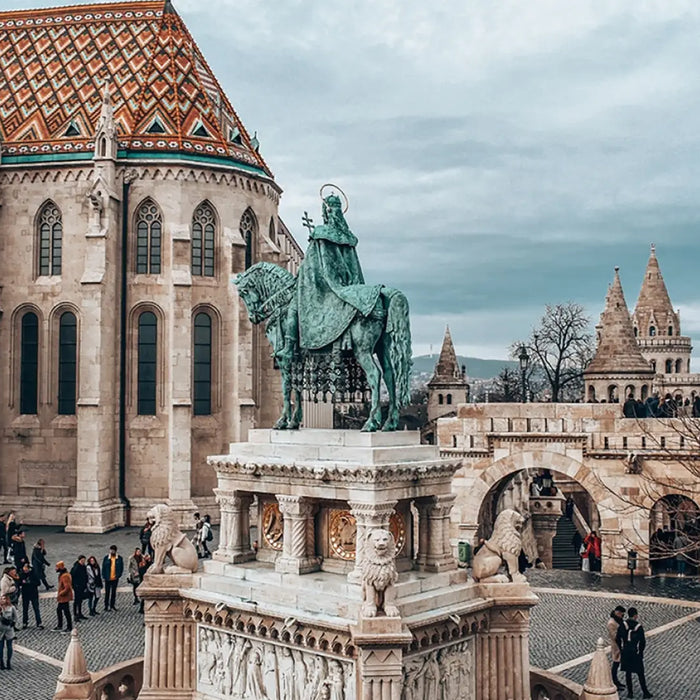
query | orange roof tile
(55,63)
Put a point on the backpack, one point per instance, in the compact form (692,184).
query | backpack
(210,534)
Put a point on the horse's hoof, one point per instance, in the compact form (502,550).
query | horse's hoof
(293,426)
(370,427)
(280,425)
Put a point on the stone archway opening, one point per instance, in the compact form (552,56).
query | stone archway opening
(562,514)
(674,536)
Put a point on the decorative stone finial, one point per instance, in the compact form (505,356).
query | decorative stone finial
(75,682)
(653,249)
(599,684)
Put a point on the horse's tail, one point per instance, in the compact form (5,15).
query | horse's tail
(398,330)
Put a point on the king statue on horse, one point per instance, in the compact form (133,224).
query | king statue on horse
(327,311)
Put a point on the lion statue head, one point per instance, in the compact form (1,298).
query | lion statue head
(506,532)
(165,528)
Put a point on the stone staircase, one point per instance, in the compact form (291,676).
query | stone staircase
(563,555)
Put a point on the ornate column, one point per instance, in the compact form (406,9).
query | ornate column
(298,553)
(234,538)
(434,549)
(503,665)
(368,516)
(171,641)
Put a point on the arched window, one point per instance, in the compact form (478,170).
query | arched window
(67,363)
(591,394)
(149,230)
(652,331)
(679,366)
(669,366)
(645,392)
(612,393)
(203,240)
(248,228)
(201,383)
(50,240)
(29,364)
(449,399)
(147,353)
(273,233)
(670,330)
(636,331)
(441,399)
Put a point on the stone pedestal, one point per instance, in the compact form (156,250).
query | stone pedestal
(95,516)
(545,512)
(170,652)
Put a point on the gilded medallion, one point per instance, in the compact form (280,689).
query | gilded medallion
(272,526)
(342,534)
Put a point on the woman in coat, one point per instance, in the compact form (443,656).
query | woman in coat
(8,623)
(8,583)
(94,585)
(134,576)
(39,563)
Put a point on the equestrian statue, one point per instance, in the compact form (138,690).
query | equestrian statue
(325,319)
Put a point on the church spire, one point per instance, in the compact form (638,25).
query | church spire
(447,366)
(654,314)
(617,346)
(106,137)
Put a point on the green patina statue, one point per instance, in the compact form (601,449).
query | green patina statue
(316,320)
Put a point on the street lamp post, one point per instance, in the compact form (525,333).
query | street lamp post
(524,359)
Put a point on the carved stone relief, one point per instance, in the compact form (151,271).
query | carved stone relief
(273,527)
(231,665)
(442,674)
(343,534)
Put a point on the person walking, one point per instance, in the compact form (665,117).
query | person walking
(569,508)
(64,596)
(143,568)
(79,577)
(8,625)
(94,585)
(206,535)
(576,542)
(39,563)
(112,570)
(29,585)
(19,549)
(9,584)
(3,537)
(134,576)
(617,616)
(145,538)
(630,639)
(12,527)
(680,542)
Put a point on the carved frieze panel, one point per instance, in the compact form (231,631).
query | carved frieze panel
(447,673)
(231,665)
(272,526)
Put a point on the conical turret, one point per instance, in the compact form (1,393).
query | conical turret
(617,350)
(75,682)
(654,315)
(599,684)
(447,367)
(448,386)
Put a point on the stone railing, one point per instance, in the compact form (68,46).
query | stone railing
(122,681)
(548,686)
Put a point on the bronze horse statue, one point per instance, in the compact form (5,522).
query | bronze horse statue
(269,293)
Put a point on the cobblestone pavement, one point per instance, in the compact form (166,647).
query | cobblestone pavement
(571,615)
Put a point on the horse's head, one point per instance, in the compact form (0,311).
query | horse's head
(258,284)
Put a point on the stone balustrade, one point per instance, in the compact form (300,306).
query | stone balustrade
(548,686)
(122,681)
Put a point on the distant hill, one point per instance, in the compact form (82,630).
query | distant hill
(476,367)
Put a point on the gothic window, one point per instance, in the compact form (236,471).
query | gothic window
(669,366)
(679,366)
(149,229)
(29,364)
(50,240)
(201,380)
(248,229)
(67,363)
(203,239)
(652,331)
(273,235)
(147,360)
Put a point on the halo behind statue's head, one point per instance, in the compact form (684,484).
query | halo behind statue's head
(335,187)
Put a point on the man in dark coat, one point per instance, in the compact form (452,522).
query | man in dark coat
(112,570)
(19,549)
(629,408)
(630,639)
(80,580)
(29,585)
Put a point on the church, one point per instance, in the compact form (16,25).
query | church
(130,197)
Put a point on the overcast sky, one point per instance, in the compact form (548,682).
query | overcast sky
(498,156)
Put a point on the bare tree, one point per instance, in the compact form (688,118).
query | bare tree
(506,386)
(559,349)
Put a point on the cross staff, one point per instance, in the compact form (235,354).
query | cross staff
(308,222)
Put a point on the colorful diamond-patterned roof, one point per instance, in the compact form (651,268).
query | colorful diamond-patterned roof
(56,62)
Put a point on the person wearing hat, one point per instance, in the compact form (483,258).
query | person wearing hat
(630,639)
(64,596)
(616,618)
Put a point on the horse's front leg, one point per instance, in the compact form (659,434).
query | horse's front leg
(364,338)
(297,415)
(284,420)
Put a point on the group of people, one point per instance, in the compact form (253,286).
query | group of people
(589,548)
(670,550)
(627,644)
(202,534)
(657,406)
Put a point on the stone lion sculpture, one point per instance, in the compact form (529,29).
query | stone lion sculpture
(167,539)
(379,574)
(503,546)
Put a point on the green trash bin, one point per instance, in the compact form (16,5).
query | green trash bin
(464,553)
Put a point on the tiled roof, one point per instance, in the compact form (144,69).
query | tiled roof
(55,63)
